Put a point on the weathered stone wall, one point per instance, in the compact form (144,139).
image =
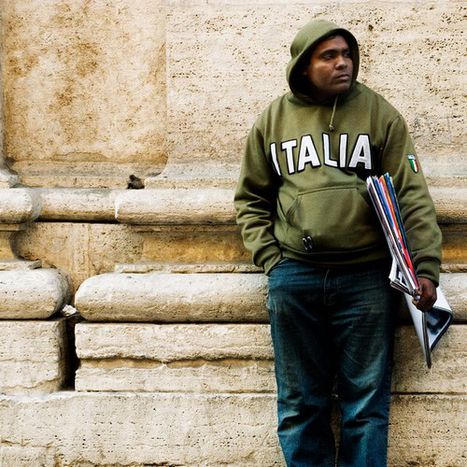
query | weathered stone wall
(84,90)
(169,360)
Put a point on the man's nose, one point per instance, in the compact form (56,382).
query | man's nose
(341,62)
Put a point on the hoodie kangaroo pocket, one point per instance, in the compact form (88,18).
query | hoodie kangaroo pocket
(336,219)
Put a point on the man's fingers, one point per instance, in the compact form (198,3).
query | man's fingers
(427,295)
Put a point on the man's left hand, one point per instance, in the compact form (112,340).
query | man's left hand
(427,292)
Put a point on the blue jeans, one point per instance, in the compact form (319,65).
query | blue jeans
(332,326)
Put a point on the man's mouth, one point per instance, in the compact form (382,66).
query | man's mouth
(344,77)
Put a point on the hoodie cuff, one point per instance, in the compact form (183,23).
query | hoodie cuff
(269,258)
(430,270)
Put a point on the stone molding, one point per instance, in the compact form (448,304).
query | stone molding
(175,203)
(153,297)
(32,293)
(176,206)
(7,178)
(200,297)
(18,205)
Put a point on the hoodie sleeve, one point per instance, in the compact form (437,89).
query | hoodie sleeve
(255,200)
(417,208)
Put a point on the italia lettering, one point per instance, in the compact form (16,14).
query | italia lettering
(297,156)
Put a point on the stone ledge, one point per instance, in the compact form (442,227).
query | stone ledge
(18,206)
(18,264)
(7,178)
(197,376)
(203,297)
(32,294)
(83,204)
(162,297)
(450,204)
(176,206)
(209,430)
(183,268)
(234,358)
(32,356)
(171,201)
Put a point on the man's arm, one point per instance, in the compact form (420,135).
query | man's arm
(255,201)
(417,209)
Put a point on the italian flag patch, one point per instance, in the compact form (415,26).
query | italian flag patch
(413,163)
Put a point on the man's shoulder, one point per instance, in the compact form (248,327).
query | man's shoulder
(374,99)
(273,108)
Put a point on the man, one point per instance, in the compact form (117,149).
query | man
(305,215)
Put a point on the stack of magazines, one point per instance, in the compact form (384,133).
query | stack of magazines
(429,325)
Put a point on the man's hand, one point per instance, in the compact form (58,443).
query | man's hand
(427,292)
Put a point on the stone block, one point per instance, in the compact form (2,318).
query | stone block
(233,358)
(33,356)
(450,203)
(455,289)
(447,374)
(26,456)
(165,297)
(32,294)
(7,179)
(188,358)
(173,342)
(220,376)
(194,244)
(427,431)
(78,248)
(18,264)
(238,430)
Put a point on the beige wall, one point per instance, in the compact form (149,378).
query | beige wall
(84,90)
(97,90)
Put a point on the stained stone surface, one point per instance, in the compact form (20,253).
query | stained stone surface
(85,249)
(33,357)
(85,90)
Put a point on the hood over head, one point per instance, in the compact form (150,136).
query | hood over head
(302,46)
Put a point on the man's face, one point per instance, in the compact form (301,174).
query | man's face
(330,68)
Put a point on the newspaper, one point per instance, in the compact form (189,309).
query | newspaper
(429,325)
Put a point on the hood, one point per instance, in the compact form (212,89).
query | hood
(305,40)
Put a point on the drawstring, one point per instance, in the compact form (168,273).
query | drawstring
(331,126)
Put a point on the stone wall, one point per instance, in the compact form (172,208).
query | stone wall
(133,328)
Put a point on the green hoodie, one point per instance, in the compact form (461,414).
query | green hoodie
(302,191)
